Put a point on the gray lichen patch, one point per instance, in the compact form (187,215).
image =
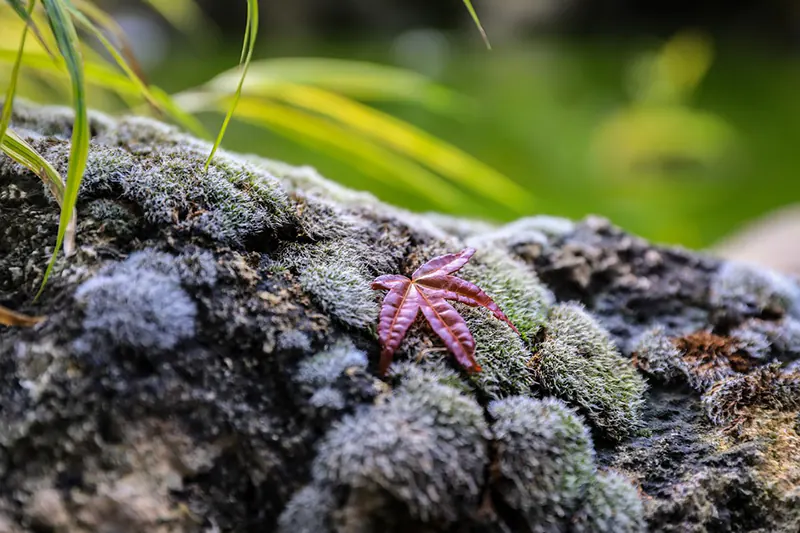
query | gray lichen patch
(578,363)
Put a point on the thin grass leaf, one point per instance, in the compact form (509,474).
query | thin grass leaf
(184,15)
(338,142)
(8,103)
(107,22)
(23,153)
(416,144)
(477,21)
(67,39)
(126,67)
(360,80)
(251,32)
(12,318)
(25,15)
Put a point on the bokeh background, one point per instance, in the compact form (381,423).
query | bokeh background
(677,119)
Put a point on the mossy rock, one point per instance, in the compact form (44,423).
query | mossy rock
(209,362)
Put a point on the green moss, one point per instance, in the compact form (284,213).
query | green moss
(578,363)
(423,448)
(514,287)
(545,460)
(230,202)
(767,387)
(502,354)
(612,506)
(337,277)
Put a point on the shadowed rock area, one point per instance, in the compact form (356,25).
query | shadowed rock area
(209,363)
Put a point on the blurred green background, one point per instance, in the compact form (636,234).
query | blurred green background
(677,120)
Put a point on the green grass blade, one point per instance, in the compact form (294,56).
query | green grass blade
(107,22)
(130,71)
(184,15)
(23,153)
(251,33)
(328,137)
(8,103)
(19,9)
(67,40)
(477,21)
(356,79)
(414,143)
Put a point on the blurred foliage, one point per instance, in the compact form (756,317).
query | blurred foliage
(680,141)
(362,136)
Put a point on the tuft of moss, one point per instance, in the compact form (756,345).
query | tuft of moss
(195,267)
(740,289)
(423,448)
(514,287)
(336,276)
(656,354)
(612,506)
(308,511)
(502,354)
(767,387)
(325,367)
(545,460)
(134,307)
(578,363)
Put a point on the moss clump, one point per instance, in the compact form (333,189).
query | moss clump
(230,202)
(701,358)
(612,506)
(128,306)
(514,287)
(545,460)
(777,338)
(767,387)
(424,448)
(578,363)
(195,267)
(339,281)
(309,511)
(739,289)
(656,354)
(502,354)
(321,371)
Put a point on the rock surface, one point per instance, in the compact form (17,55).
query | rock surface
(209,363)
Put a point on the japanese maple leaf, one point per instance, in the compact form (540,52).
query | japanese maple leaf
(428,290)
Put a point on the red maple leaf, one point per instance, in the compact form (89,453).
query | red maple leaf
(428,290)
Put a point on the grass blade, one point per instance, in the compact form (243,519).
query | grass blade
(129,70)
(12,318)
(477,21)
(67,40)
(331,138)
(251,32)
(8,103)
(184,15)
(414,143)
(356,79)
(25,15)
(23,153)
(106,21)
